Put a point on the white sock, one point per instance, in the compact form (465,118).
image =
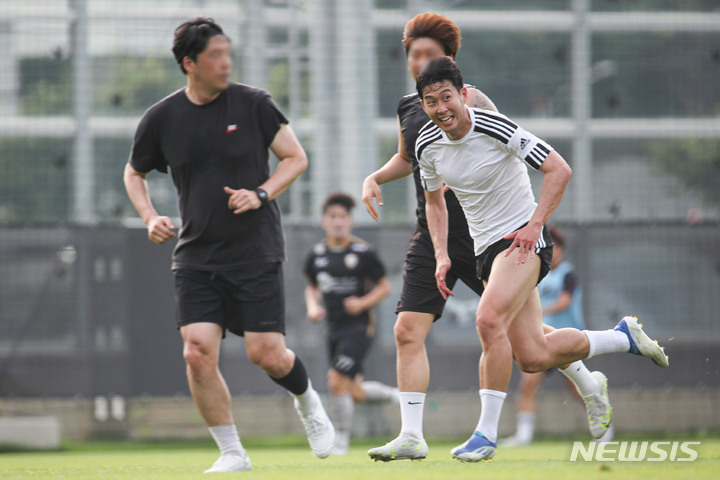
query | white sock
(227,439)
(606,341)
(411,413)
(308,401)
(578,373)
(525,426)
(492,402)
(343,410)
(379,392)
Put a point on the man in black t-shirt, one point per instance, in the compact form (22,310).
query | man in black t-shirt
(347,275)
(213,136)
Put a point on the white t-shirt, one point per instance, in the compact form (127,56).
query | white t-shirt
(485,169)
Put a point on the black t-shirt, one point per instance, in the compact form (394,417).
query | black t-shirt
(342,273)
(412,118)
(207,147)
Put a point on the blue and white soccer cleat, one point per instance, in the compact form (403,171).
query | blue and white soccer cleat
(640,343)
(476,449)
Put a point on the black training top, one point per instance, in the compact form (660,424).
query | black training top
(412,118)
(207,147)
(341,273)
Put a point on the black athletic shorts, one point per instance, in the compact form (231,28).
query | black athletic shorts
(247,300)
(543,250)
(347,351)
(419,290)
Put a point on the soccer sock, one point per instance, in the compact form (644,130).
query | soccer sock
(525,425)
(295,382)
(307,400)
(376,391)
(578,373)
(606,341)
(227,439)
(343,410)
(411,413)
(492,402)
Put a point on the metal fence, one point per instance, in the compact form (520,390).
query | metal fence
(626,91)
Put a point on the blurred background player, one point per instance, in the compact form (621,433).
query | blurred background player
(561,299)
(425,37)
(214,135)
(345,275)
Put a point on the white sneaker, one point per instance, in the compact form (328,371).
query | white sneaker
(599,410)
(608,437)
(230,462)
(404,447)
(515,441)
(318,428)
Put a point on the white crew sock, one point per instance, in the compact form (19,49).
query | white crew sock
(578,373)
(343,410)
(379,392)
(411,413)
(227,439)
(525,426)
(606,341)
(492,402)
(308,401)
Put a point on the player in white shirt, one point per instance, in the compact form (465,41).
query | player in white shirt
(479,155)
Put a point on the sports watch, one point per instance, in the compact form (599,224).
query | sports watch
(263,196)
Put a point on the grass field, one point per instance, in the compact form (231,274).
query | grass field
(290,461)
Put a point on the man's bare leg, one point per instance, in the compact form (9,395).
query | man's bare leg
(201,350)
(413,373)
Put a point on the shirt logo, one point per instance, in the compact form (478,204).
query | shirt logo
(524,142)
(231,128)
(351,261)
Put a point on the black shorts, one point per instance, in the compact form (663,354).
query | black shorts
(247,300)
(419,290)
(543,250)
(347,351)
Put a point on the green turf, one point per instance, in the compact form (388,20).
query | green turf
(542,460)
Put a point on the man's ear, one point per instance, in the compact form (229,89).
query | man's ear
(464,93)
(188,64)
(422,102)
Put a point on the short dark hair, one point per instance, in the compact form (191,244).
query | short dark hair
(435,26)
(439,70)
(191,38)
(558,237)
(339,198)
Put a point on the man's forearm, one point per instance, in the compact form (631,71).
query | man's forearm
(287,171)
(397,167)
(553,188)
(137,190)
(311,297)
(374,296)
(437,218)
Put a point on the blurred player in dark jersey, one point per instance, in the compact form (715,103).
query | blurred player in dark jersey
(346,279)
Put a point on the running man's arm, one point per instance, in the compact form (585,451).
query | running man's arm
(293,162)
(159,227)
(437,219)
(478,99)
(398,166)
(557,173)
(357,305)
(315,310)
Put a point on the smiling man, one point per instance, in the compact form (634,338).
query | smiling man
(479,154)
(214,136)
